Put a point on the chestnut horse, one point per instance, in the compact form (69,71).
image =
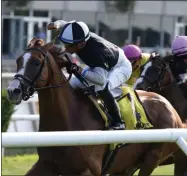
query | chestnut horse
(158,77)
(62,108)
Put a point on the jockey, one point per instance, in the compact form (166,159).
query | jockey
(137,59)
(107,66)
(179,64)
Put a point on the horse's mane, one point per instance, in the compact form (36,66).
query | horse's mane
(54,50)
(36,42)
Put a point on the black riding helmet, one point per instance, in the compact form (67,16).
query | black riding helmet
(74,32)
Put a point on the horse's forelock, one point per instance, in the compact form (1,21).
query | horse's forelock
(39,42)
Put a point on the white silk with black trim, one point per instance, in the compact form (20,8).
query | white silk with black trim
(99,77)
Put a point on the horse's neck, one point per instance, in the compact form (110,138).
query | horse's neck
(52,109)
(55,103)
(177,99)
(61,109)
(169,61)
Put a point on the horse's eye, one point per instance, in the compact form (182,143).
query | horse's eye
(37,63)
(158,69)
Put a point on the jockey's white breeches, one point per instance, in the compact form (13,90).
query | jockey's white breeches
(99,77)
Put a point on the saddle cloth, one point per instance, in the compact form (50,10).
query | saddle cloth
(131,109)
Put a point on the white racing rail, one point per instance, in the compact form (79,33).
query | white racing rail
(75,138)
(8,75)
(24,117)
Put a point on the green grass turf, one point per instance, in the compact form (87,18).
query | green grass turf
(19,165)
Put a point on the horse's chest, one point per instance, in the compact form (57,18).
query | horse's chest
(67,159)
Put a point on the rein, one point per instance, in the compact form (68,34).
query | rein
(47,59)
(60,85)
(31,89)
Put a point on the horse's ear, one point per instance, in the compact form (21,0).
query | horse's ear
(39,42)
(48,46)
(32,42)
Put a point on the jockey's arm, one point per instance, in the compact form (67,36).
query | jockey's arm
(95,75)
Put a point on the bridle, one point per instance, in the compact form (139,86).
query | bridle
(161,73)
(32,83)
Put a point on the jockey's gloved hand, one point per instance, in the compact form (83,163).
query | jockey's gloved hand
(72,68)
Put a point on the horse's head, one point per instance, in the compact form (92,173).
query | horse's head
(155,74)
(35,68)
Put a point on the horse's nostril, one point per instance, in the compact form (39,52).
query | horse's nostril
(17,91)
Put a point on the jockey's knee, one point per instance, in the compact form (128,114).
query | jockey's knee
(119,77)
(125,67)
(126,70)
(128,73)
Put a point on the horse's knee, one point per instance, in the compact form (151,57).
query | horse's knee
(150,162)
(152,158)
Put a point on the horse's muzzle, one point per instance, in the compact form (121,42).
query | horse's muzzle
(15,92)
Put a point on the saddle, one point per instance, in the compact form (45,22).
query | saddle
(131,109)
(132,112)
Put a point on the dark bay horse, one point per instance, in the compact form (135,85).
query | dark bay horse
(157,76)
(63,109)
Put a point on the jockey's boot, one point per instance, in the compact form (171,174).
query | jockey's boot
(112,107)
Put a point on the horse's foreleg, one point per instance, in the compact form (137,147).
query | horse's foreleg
(180,164)
(93,157)
(39,169)
(88,172)
(151,160)
(95,166)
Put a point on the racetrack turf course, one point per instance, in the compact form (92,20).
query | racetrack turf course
(19,165)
